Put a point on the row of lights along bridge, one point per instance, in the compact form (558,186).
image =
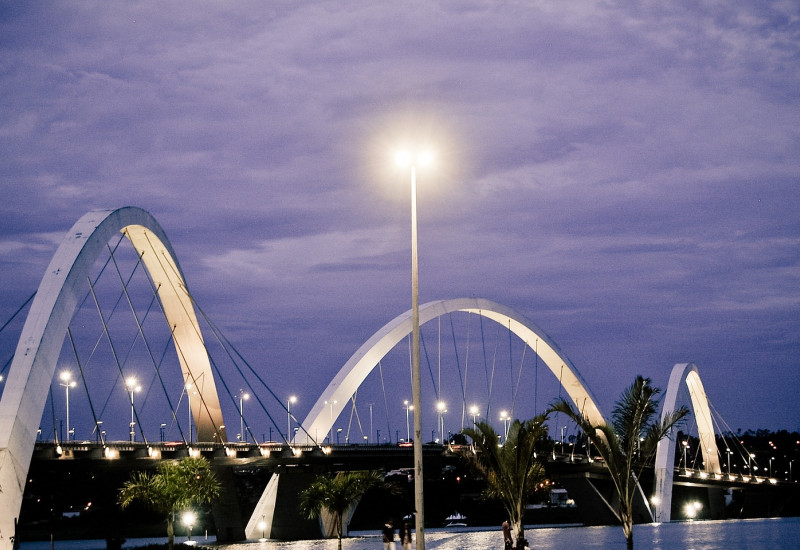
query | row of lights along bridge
(132,387)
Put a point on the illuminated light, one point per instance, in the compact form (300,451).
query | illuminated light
(297,452)
(263,526)
(402,158)
(689,511)
(326,450)
(424,158)
(153,453)
(59,450)
(655,500)
(194,453)
(111,454)
(264,452)
(703,475)
(230,452)
(773,481)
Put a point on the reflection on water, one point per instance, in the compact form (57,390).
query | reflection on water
(701,535)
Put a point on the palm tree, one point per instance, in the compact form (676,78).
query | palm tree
(175,486)
(629,443)
(336,495)
(511,470)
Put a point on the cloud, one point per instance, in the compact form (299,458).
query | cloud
(623,173)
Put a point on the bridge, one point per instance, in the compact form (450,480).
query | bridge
(73,280)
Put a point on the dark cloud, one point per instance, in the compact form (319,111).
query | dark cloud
(624,174)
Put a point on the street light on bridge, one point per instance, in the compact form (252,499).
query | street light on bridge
(132,386)
(408,407)
(504,418)
(330,434)
(292,399)
(473,410)
(441,408)
(243,396)
(67,382)
(413,159)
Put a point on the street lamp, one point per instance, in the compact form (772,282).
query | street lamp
(504,418)
(685,463)
(473,410)
(263,526)
(292,399)
(189,518)
(67,382)
(408,407)
(441,409)
(332,403)
(370,419)
(133,386)
(243,396)
(408,159)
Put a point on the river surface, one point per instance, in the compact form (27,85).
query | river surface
(757,534)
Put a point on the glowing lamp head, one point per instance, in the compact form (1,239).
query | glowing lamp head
(189,518)
(132,384)
(406,157)
(65,376)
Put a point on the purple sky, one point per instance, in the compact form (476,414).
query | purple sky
(624,174)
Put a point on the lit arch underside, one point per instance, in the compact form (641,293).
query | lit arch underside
(42,337)
(320,419)
(684,388)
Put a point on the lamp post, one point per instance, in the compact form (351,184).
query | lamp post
(685,449)
(504,418)
(189,406)
(407,159)
(263,526)
(332,403)
(189,518)
(132,386)
(370,421)
(292,399)
(408,407)
(67,382)
(243,396)
(473,410)
(729,452)
(441,408)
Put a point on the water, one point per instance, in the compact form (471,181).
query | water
(761,534)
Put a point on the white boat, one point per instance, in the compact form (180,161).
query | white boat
(455,520)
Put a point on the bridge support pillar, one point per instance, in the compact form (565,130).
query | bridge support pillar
(278,509)
(226,510)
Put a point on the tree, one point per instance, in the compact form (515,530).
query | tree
(629,443)
(336,494)
(175,486)
(511,470)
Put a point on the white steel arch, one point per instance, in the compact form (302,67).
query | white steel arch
(40,343)
(684,387)
(320,418)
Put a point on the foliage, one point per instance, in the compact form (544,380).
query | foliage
(336,494)
(629,443)
(174,487)
(511,470)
